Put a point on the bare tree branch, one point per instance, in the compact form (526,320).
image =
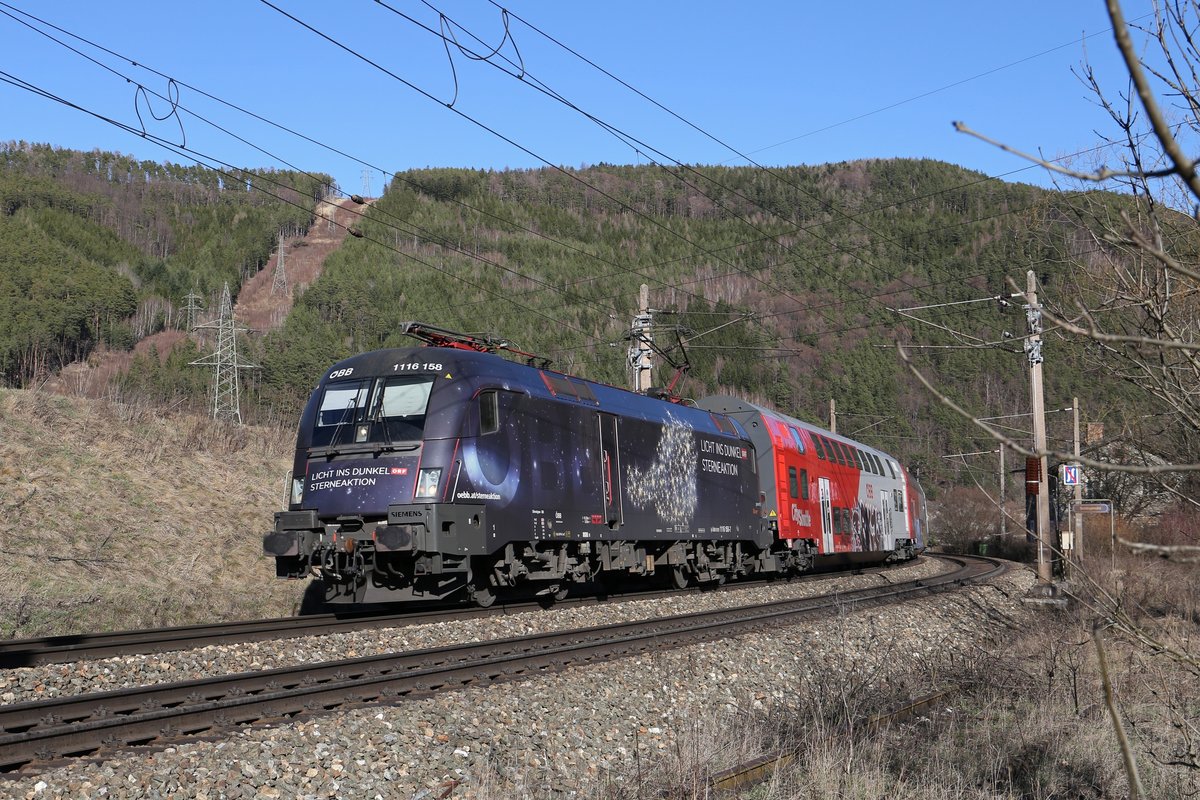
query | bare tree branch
(1184,167)
(1094,333)
(1012,444)
(1131,771)
(1183,553)
(1101,175)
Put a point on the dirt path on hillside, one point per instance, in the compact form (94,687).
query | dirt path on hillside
(262,308)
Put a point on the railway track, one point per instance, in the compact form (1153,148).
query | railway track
(87,646)
(88,725)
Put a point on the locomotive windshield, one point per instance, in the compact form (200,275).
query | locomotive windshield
(372,411)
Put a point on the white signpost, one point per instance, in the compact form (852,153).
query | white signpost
(1070,475)
(1101,505)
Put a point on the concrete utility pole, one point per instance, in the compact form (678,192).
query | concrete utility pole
(1033,348)
(1077,517)
(1003,495)
(832,415)
(641,338)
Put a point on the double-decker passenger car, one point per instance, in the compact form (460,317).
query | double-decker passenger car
(838,500)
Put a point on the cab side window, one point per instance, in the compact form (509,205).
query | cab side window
(489,413)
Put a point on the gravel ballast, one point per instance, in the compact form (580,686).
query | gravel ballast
(33,683)
(575,733)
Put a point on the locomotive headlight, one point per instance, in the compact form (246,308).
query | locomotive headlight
(427,483)
(297,491)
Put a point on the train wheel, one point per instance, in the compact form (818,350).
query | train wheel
(679,578)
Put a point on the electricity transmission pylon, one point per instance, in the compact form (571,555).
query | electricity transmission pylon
(280,283)
(193,307)
(226,403)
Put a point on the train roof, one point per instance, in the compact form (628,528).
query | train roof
(490,370)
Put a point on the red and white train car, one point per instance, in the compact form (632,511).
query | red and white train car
(836,499)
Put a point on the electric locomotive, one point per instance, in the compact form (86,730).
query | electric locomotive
(448,471)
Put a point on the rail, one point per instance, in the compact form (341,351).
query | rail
(67,648)
(159,715)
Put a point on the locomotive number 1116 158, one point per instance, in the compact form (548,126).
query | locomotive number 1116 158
(417,366)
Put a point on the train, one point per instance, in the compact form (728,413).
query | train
(448,471)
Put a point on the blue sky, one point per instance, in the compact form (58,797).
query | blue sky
(785,82)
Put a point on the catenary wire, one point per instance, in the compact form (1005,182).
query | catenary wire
(199,158)
(523,76)
(675,286)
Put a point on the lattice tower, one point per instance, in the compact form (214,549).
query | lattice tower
(280,283)
(226,403)
(192,309)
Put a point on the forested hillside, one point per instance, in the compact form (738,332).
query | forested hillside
(101,248)
(786,282)
(800,266)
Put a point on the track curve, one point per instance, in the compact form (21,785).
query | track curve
(87,724)
(16,653)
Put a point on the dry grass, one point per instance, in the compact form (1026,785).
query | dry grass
(116,515)
(1028,719)
(119,516)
